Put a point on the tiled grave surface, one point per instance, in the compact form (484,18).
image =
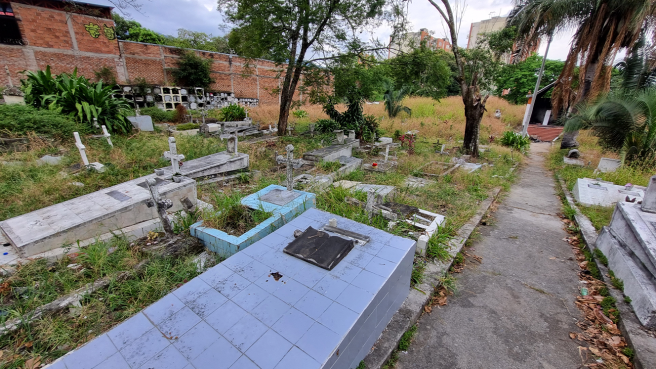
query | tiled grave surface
(591,192)
(91,215)
(211,165)
(236,315)
(227,245)
(637,230)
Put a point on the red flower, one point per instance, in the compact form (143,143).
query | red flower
(374,164)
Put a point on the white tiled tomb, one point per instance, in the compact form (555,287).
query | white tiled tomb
(592,192)
(262,308)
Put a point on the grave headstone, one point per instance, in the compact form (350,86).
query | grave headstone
(92,166)
(351,134)
(649,199)
(329,153)
(142,122)
(573,154)
(233,144)
(340,136)
(607,165)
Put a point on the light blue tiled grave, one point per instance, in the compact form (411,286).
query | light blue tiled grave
(236,315)
(227,245)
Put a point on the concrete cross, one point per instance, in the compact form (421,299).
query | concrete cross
(107,136)
(351,134)
(387,147)
(162,206)
(340,136)
(172,154)
(290,167)
(81,148)
(95,123)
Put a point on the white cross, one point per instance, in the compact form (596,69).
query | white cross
(107,136)
(81,147)
(386,152)
(172,154)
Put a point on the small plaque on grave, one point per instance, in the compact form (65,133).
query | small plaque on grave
(280,197)
(158,181)
(120,196)
(319,248)
(597,186)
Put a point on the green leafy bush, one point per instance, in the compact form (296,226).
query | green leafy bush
(326,125)
(232,113)
(76,95)
(187,126)
(21,119)
(158,115)
(193,71)
(300,113)
(515,140)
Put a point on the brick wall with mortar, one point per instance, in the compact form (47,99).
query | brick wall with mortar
(66,41)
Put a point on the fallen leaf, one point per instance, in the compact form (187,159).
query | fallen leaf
(428,308)
(583,264)
(29,344)
(615,341)
(1,354)
(33,363)
(594,350)
(600,315)
(572,335)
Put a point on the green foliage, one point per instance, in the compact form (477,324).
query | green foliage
(21,119)
(421,72)
(515,140)
(300,113)
(362,365)
(418,268)
(106,75)
(353,118)
(73,94)
(187,39)
(158,115)
(521,77)
(230,216)
(326,125)
(233,113)
(438,246)
(627,299)
(329,166)
(187,126)
(623,120)
(406,339)
(193,71)
(601,257)
(628,352)
(393,100)
(501,41)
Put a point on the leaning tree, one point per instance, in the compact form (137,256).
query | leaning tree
(298,34)
(603,27)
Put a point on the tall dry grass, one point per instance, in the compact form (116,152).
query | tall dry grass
(433,119)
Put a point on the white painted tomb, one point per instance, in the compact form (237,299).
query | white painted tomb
(92,215)
(607,165)
(590,192)
(382,190)
(210,165)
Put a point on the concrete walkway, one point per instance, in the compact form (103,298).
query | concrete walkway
(514,310)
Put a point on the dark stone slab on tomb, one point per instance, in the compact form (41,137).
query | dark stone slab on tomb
(319,248)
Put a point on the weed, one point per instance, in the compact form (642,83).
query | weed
(449,282)
(438,246)
(187,126)
(603,291)
(329,166)
(608,306)
(628,352)
(184,220)
(627,299)
(231,216)
(459,259)
(617,283)
(569,212)
(361,365)
(406,339)
(601,257)
(418,268)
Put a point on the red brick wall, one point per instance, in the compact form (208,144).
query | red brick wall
(49,42)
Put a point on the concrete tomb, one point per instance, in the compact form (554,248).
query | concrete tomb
(264,308)
(211,165)
(590,192)
(629,243)
(283,204)
(382,190)
(94,214)
(417,182)
(142,122)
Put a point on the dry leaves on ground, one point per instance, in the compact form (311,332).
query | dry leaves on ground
(438,299)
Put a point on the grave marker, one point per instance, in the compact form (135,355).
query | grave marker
(290,167)
(649,200)
(340,136)
(81,148)
(172,154)
(162,206)
(107,136)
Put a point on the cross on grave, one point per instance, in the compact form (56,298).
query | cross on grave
(290,167)
(340,136)
(387,147)
(351,134)
(311,127)
(107,136)
(95,123)
(172,154)
(81,148)
(162,205)
(233,142)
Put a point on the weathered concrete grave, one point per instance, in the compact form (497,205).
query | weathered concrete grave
(264,308)
(416,182)
(283,204)
(142,122)
(330,153)
(591,192)
(607,165)
(92,215)
(382,190)
(314,183)
(211,165)
(629,243)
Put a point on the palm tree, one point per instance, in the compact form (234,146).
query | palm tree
(603,27)
(393,100)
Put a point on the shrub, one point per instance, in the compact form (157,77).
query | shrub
(515,140)
(187,126)
(180,114)
(76,95)
(232,113)
(193,71)
(105,75)
(300,113)
(21,119)
(326,125)
(158,115)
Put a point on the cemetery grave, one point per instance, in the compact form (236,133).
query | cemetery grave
(591,192)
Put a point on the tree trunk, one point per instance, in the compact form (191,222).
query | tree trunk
(474,110)
(283,117)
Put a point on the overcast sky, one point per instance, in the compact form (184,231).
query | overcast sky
(166,16)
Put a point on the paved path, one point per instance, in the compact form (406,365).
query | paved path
(514,310)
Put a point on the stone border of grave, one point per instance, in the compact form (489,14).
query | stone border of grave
(644,345)
(413,306)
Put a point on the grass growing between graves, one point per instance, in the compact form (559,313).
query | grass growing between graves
(230,216)
(38,282)
(592,152)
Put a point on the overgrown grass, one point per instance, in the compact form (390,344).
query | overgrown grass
(407,337)
(230,216)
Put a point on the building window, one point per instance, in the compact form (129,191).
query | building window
(9,31)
